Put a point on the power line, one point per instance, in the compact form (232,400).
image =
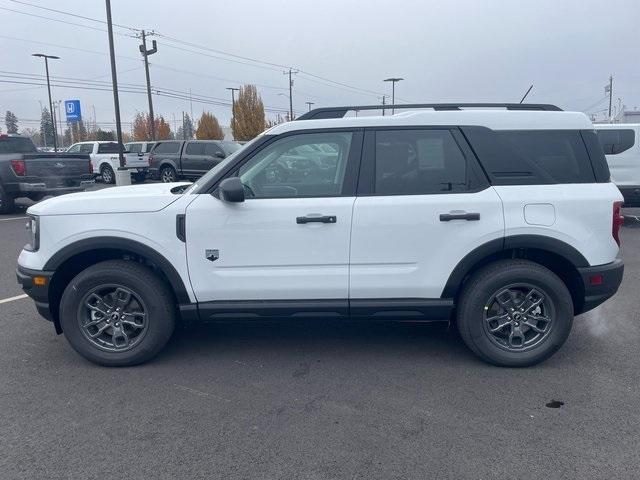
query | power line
(72,15)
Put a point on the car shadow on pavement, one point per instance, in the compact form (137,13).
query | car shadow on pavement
(283,337)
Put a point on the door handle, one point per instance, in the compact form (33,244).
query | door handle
(318,219)
(447,217)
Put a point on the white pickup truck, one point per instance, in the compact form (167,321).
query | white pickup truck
(105,161)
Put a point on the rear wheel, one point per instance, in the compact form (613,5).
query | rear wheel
(168,174)
(515,313)
(7,203)
(107,174)
(117,313)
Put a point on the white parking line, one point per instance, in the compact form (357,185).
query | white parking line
(14,218)
(12,299)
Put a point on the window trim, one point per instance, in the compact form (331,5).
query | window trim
(349,182)
(367,178)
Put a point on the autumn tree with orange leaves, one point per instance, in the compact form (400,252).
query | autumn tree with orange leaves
(209,128)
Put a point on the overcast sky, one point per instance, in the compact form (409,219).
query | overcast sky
(465,50)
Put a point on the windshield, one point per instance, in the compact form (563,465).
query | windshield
(220,166)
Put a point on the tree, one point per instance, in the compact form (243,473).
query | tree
(46,127)
(163,130)
(33,134)
(188,130)
(142,128)
(79,132)
(11,121)
(105,135)
(276,121)
(209,128)
(248,119)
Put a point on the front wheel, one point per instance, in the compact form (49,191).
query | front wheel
(107,174)
(515,313)
(117,313)
(168,174)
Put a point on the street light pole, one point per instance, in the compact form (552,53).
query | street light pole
(145,53)
(393,81)
(114,82)
(53,120)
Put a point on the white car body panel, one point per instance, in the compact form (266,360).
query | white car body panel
(624,166)
(264,253)
(401,249)
(583,215)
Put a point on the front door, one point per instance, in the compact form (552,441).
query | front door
(289,240)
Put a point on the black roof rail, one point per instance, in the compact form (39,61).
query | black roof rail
(339,112)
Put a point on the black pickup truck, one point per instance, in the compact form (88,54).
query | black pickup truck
(25,172)
(174,159)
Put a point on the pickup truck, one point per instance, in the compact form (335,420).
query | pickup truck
(25,172)
(173,160)
(105,159)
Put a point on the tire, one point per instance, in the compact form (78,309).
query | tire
(168,174)
(147,294)
(139,177)
(36,197)
(108,176)
(493,296)
(7,203)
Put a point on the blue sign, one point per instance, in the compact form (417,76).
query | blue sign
(72,108)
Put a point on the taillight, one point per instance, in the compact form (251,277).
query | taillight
(90,167)
(19,167)
(150,159)
(617,221)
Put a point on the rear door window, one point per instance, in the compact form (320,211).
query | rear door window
(419,162)
(195,148)
(86,148)
(167,147)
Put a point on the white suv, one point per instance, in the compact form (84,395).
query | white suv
(502,220)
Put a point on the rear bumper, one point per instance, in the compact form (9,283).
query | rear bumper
(42,187)
(39,293)
(600,283)
(27,185)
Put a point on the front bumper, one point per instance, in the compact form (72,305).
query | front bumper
(38,292)
(600,283)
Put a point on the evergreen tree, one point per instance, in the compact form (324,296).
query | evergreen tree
(46,127)
(11,121)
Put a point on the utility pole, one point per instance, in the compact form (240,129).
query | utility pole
(184,135)
(190,103)
(145,53)
(393,81)
(384,102)
(291,72)
(53,119)
(233,100)
(609,89)
(116,100)
(309,104)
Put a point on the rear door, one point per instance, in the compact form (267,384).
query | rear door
(194,159)
(423,204)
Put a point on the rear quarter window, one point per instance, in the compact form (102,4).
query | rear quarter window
(530,157)
(616,140)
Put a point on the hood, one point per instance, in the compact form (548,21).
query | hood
(129,199)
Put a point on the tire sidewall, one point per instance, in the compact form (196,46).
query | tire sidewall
(158,331)
(171,171)
(107,169)
(472,314)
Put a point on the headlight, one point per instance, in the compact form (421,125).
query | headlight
(33,225)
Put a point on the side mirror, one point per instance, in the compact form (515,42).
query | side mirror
(232,190)
(140,154)
(219,155)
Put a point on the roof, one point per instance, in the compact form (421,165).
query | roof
(494,119)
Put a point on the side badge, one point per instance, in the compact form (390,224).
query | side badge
(211,254)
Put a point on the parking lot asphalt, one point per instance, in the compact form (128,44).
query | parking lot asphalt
(319,400)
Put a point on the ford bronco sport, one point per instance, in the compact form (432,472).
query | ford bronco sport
(498,217)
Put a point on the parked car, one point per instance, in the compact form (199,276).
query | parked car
(26,172)
(105,159)
(173,160)
(502,221)
(138,154)
(621,146)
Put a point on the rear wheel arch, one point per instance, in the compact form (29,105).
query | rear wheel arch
(76,257)
(556,255)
